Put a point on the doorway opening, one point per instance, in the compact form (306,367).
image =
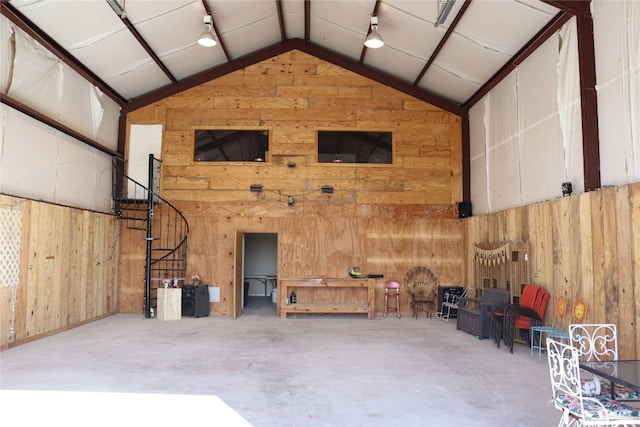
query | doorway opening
(260,272)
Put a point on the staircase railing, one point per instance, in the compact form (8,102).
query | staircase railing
(166,229)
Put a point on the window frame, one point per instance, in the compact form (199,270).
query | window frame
(392,151)
(265,159)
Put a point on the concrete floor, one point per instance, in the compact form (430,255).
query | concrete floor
(304,371)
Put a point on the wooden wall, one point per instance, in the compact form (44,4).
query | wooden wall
(585,247)
(384,218)
(68,271)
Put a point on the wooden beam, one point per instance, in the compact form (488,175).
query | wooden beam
(573,7)
(588,103)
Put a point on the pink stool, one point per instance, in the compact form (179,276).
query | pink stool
(391,289)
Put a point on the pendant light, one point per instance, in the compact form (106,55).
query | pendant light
(206,38)
(374,40)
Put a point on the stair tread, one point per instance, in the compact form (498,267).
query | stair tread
(130,201)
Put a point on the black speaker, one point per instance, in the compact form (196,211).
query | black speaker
(451,290)
(464,209)
(195,300)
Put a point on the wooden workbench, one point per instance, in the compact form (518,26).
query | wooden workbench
(327,295)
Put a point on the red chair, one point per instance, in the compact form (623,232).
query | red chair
(391,289)
(519,318)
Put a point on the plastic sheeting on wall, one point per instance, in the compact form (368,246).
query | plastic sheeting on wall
(616,26)
(43,82)
(543,161)
(503,145)
(37,161)
(519,153)
(550,138)
(569,107)
(41,163)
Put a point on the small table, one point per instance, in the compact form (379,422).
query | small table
(264,278)
(625,372)
(169,303)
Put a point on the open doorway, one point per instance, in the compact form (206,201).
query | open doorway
(260,265)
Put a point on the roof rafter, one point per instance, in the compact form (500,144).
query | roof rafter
(146,46)
(438,48)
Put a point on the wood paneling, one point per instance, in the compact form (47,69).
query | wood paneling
(293,96)
(69,260)
(585,247)
(385,219)
(78,266)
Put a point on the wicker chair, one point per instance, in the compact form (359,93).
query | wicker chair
(422,286)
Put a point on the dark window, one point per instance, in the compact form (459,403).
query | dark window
(354,147)
(229,145)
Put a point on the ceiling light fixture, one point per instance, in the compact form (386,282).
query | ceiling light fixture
(206,38)
(444,7)
(374,40)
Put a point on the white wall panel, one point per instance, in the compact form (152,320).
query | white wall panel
(75,107)
(29,157)
(478,179)
(37,161)
(36,76)
(531,125)
(569,105)
(78,175)
(6,51)
(44,83)
(503,166)
(40,163)
(542,163)
(617,49)
(107,133)
(102,187)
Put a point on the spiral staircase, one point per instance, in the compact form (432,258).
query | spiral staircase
(164,227)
